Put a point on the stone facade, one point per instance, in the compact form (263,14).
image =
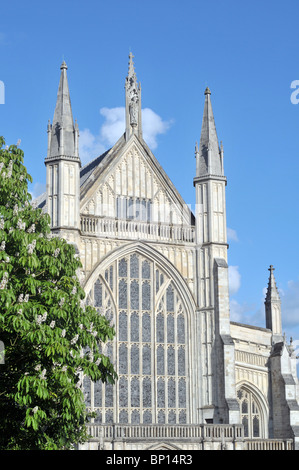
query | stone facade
(188,377)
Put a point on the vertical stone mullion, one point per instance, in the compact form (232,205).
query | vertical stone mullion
(176,357)
(140,375)
(129,363)
(91,382)
(153,345)
(165,357)
(115,351)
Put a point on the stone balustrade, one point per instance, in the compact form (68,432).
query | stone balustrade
(159,431)
(269,444)
(192,437)
(132,229)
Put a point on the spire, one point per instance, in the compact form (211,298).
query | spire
(133,101)
(273,307)
(63,164)
(272,291)
(62,135)
(209,156)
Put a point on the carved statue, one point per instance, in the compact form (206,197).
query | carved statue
(133,107)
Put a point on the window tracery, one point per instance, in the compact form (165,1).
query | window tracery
(150,349)
(250,413)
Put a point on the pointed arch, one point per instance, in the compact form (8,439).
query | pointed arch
(154,321)
(151,253)
(163,446)
(254,410)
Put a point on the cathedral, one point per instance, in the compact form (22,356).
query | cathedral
(189,378)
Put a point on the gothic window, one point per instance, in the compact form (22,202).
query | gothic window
(149,351)
(250,413)
(138,209)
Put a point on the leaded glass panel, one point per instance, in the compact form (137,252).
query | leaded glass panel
(98,394)
(161,393)
(172,417)
(135,359)
(181,329)
(161,417)
(171,360)
(134,267)
(109,416)
(134,327)
(123,391)
(150,339)
(135,417)
(122,326)
(146,296)
(123,416)
(160,360)
(98,294)
(108,395)
(134,294)
(147,417)
(183,417)
(182,393)
(171,394)
(135,392)
(146,270)
(147,392)
(146,328)
(170,328)
(146,360)
(250,413)
(160,328)
(122,267)
(123,359)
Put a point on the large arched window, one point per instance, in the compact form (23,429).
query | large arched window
(251,413)
(150,351)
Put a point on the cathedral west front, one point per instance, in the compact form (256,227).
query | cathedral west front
(188,377)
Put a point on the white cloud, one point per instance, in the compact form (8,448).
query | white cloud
(246,313)
(242,312)
(90,145)
(232,235)
(237,311)
(234,278)
(114,125)
(152,126)
(37,190)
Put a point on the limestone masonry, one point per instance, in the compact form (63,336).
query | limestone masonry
(188,377)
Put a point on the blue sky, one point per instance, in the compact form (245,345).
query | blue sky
(246,52)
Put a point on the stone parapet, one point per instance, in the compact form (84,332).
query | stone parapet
(177,437)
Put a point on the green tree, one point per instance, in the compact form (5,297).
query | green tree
(51,337)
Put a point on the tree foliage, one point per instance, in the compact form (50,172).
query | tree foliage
(51,338)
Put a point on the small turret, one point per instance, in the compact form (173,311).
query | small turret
(209,158)
(63,162)
(273,308)
(62,132)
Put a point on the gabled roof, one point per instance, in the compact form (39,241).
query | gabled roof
(87,170)
(91,172)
